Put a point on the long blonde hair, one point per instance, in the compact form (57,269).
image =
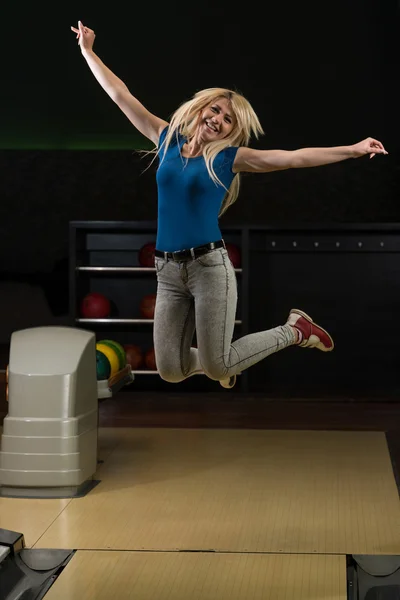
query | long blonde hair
(185,120)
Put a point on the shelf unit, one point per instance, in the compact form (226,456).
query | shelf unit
(103,257)
(346,276)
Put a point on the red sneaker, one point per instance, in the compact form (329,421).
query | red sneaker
(313,335)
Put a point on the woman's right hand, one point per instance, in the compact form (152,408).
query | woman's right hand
(85,36)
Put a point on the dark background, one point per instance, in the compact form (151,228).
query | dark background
(317,74)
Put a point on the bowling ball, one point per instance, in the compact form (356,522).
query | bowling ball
(150,360)
(103,367)
(134,356)
(234,255)
(146,255)
(112,357)
(147,306)
(95,306)
(118,349)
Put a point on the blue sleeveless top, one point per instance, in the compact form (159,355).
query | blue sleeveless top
(188,200)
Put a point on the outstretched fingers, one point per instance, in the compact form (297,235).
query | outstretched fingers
(75,30)
(84,35)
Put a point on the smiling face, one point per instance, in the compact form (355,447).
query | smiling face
(217,120)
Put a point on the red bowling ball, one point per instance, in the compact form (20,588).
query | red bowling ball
(147,306)
(134,356)
(146,255)
(234,255)
(150,360)
(95,306)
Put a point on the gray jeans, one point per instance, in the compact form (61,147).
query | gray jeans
(201,295)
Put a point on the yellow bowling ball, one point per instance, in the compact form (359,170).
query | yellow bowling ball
(112,357)
(118,349)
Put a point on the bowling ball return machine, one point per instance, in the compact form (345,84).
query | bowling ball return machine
(49,446)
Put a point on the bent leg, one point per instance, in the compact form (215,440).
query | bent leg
(214,287)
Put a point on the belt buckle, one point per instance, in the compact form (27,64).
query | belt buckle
(178,255)
(183,255)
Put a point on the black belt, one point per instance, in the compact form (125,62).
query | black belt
(190,253)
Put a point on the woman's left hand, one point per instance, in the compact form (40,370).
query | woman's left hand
(368,146)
